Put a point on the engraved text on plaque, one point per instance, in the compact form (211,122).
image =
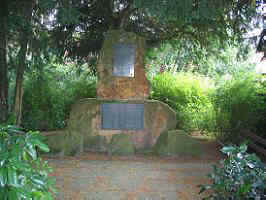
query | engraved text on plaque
(122,116)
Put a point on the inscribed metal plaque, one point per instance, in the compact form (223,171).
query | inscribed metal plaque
(122,116)
(124,59)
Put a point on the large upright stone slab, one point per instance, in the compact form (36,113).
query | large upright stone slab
(121,73)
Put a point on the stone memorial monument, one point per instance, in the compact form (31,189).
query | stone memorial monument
(121,119)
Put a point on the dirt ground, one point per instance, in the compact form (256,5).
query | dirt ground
(92,176)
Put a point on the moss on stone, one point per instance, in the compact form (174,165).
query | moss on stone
(177,143)
(85,124)
(121,144)
(183,144)
(55,142)
(161,146)
(79,126)
(71,144)
(95,143)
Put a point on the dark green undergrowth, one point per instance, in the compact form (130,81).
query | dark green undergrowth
(224,106)
(261,123)
(23,174)
(239,105)
(48,97)
(240,176)
(189,95)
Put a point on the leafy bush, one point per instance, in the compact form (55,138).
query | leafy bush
(48,96)
(236,103)
(84,87)
(261,112)
(224,108)
(23,175)
(242,176)
(43,104)
(188,94)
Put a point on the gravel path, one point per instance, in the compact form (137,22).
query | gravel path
(95,177)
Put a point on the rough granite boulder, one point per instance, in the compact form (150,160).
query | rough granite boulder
(55,140)
(84,131)
(177,143)
(121,145)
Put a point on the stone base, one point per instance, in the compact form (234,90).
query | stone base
(84,128)
(177,143)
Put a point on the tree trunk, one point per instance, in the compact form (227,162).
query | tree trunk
(3,62)
(27,7)
(19,81)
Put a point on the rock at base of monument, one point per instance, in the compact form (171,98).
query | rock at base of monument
(161,146)
(177,143)
(55,140)
(96,143)
(121,144)
(85,131)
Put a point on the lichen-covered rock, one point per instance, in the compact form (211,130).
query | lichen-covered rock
(161,146)
(95,143)
(121,144)
(115,87)
(85,124)
(55,140)
(173,143)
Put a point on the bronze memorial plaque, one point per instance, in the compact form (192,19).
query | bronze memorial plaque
(122,116)
(124,59)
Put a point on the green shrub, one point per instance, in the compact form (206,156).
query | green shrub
(84,87)
(224,108)
(43,104)
(261,112)
(188,94)
(23,175)
(48,97)
(236,103)
(242,176)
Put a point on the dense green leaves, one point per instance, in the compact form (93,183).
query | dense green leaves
(188,95)
(78,23)
(224,106)
(203,20)
(23,175)
(241,176)
(45,108)
(237,104)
